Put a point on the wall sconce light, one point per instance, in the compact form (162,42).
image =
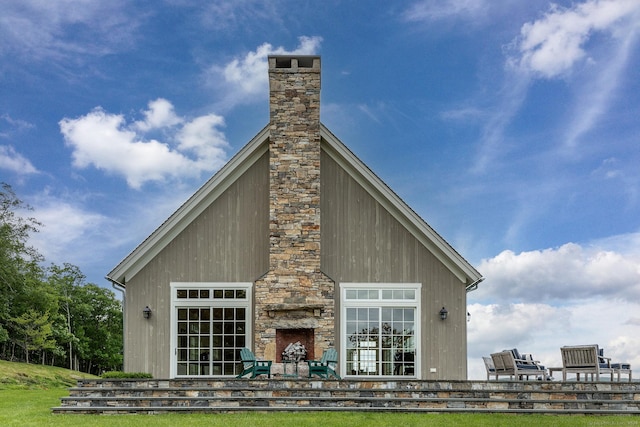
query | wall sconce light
(468,317)
(443,313)
(146,313)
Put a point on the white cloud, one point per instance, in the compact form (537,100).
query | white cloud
(495,327)
(203,137)
(368,111)
(463,114)
(428,10)
(603,31)
(538,301)
(13,161)
(160,114)
(224,16)
(10,159)
(13,125)
(568,272)
(105,141)
(552,45)
(492,140)
(627,244)
(65,225)
(593,101)
(246,79)
(58,30)
(76,231)
(248,75)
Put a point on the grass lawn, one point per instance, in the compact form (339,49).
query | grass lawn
(28,392)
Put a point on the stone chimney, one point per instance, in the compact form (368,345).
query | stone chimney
(294,168)
(294,294)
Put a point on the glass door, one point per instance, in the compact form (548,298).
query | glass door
(209,330)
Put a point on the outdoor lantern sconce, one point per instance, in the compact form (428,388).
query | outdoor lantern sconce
(468,317)
(443,313)
(146,313)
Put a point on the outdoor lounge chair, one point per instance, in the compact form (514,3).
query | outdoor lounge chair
(326,366)
(253,366)
(618,368)
(511,363)
(621,368)
(584,359)
(488,364)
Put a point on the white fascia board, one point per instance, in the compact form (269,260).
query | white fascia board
(387,198)
(194,206)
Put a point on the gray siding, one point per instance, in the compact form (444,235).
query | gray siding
(363,242)
(228,242)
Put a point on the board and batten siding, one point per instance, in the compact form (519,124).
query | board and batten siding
(362,242)
(227,242)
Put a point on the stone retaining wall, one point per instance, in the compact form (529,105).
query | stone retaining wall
(216,395)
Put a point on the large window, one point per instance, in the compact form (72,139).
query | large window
(381,329)
(211,324)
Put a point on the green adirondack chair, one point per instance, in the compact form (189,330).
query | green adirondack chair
(252,366)
(326,366)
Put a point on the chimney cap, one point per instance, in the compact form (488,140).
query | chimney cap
(294,61)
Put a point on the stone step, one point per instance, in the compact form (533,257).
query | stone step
(329,401)
(159,396)
(445,409)
(252,395)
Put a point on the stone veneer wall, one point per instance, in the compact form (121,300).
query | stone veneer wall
(261,394)
(294,293)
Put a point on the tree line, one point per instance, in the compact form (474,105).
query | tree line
(49,314)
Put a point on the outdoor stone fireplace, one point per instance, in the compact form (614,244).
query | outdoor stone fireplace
(284,337)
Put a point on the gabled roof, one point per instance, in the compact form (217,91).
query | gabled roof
(243,160)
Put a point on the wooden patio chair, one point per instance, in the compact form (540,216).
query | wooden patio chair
(250,365)
(506,363)
(326,366)
(584,359)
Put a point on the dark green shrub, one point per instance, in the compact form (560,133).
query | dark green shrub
(125,375)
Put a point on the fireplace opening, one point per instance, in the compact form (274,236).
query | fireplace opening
(284,337)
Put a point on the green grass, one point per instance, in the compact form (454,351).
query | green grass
(23,376)
(27,396)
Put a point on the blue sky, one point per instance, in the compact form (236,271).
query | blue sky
(511,127)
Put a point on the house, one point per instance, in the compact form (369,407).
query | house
(295,239)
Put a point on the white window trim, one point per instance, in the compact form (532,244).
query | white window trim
(176,303)
(344,304)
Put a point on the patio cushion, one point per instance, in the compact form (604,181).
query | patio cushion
(529,366)
(621,365)
(516,354)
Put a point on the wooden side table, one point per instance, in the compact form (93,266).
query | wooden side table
(554,369)
(293,368)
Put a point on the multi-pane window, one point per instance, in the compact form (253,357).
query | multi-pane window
(210,327)
(380,327)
